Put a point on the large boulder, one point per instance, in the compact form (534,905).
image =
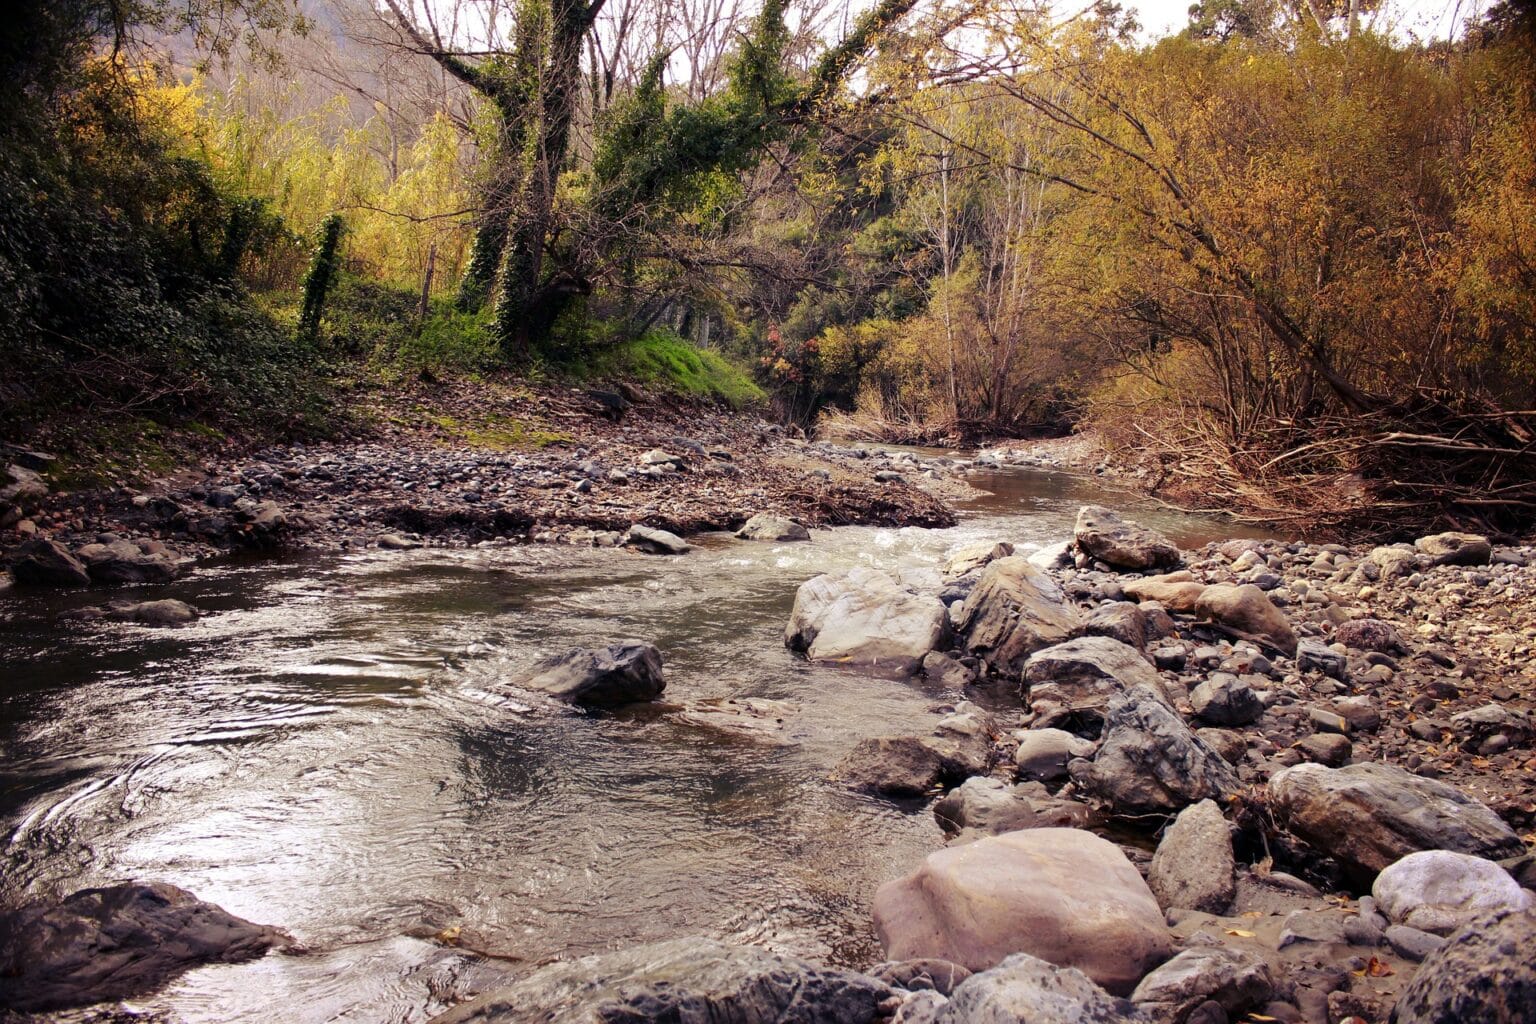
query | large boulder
(123,561)
(1455,548)
(987,805)
(1082,675)
(772,528)
(1248,610)
(1063,895)
(41,562)
(912,766)
(1194,866)
(1484,973)
(864,617)
(1014,611)
(970,557)
(1027,990)
(623,673)
(1149,762)
(1440,891)
(112,943)
(1366,816)
(684,980)
(1234,979)
(1120,543)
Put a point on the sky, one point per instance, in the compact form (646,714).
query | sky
(1425,19)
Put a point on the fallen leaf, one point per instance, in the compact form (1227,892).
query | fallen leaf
(1374,969)
(1240,933)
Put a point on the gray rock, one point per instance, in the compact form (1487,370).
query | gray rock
(1194,865)
(911,766)
(985,805)
(123,561)
(1043,754)
(927,975)
(1483,973)
(1411,943)
(1455,549)
(1236,980)
(1084,674)
(112,943)
(1014,611)
(973,557)
(1149,762)
(1223,699)
(921,1007)
(655,542)
(1052,556)
(947,671)
(1312,655)
(623,673)
(1124,621)
(1120,543)
(1367,816)
(689,981)
(866,618)
(1027,990)
(41,562)
(167,612)
(1440,891)
(773,528)
(1064,895)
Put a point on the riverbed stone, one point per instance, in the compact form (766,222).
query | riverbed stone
(864,617)
(655,542)
(167,612)
(1453,548)
(1367,816)
(1148,762)
(1194,865)
(1119,620)
(1440,891)
(1236,980)
(1177,592)
(947,670)
(985,805)
(123,561)
(1483,973)
(43,562)
(1014,611)
(1025,989)
(111,943)
(1083,674)
(682,980)
(1248,610)
(767,527)
(1121,543)
(912,766)
(972,557)
(1043,754)
(1061,894)
(1369,635)
(1223,699)
(627,672)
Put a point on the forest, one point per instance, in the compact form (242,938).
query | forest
(1281,259)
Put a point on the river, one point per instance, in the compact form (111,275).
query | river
(335,749)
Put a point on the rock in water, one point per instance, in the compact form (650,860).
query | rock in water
(1249,610)
(1014,611)
(864,617)
(41,562)
(622,673)
(112,943)
(1120,543)
(655,542)
(1455,548)
(1043,754)
(1149,762)
(1439,891)
(682,980)
(1061,894)
(1366,816)
(1483,974)
(123,561)
(1027,990)
(911,766)
(1193,866)
(773,528)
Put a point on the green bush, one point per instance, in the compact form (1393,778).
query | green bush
(663,360)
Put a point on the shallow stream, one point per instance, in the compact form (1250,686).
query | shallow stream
(335,749)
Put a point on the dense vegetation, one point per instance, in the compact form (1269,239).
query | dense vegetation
(1281,256)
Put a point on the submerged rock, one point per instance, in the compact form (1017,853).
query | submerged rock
(1063,895)
(622,673)
(864,617)
(1120,543)
(683,980)
(911,766)
(655,542)
(111,943)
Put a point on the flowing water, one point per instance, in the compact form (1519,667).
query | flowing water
(336,749)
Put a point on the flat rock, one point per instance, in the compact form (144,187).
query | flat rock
(971,557)
(756,718)
(1177,592)
(112,943)
(864,617)
(1367,816)
(1085,673)
(655,542)
(682,980)
(1194,865)
(627,672)
(773,528)
(1121,543)
(1439,891)
(1014,611)
(1063,895)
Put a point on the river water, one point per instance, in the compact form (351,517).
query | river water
(335,749)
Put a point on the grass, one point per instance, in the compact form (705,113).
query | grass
(495,432)
(662,360)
